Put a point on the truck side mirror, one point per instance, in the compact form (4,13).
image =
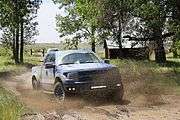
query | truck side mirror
(49,65)
(107,61)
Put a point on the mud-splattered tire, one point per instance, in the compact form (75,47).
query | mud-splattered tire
(59,91)
(35,84)
(118,94)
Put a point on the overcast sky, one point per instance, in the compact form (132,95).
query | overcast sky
(47,23)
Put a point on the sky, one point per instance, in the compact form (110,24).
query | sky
(47,23)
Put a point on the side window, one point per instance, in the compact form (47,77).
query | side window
(50,58)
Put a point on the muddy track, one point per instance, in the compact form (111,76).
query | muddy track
(43,106)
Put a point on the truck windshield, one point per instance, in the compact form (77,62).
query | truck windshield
(80,58)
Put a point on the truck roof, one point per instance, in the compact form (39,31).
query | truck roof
(74,51)
(52,50)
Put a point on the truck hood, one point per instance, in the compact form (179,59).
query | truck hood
(84,67)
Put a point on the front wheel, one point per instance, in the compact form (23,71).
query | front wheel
(59,91)
(118,95)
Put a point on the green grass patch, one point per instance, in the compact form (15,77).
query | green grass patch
(10,108)
(7,65)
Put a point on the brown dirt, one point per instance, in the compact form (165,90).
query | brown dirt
(43,106)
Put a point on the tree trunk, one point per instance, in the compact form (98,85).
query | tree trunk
(22,43)
(106,50)
(17,45)
(119,35)
(93,42)
(174,49)
(14,44)
(16,20)
(93,46)
(178,9)
(119,39)
(160,55)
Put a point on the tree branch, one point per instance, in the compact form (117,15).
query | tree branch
(150,38)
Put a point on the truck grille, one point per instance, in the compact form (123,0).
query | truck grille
(99,76)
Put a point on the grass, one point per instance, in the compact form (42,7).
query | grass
(7,65)
(10,108)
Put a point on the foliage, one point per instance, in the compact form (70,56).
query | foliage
(116,16)
(7,38)
(70,26)
(16,21)
(4,51)
(89,11)
(75,25)
(71,44)
(30,31)
(154,12)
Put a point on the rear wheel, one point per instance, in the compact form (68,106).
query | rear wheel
(59,91)
(35,84)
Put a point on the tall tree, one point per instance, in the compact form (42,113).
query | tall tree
(88,10)
(75,24)
(155,14)
(28,13)
(116,16)
(12,14)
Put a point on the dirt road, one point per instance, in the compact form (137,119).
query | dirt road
(43,106)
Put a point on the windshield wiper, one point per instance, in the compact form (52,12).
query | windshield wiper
(66,63)
(89,62)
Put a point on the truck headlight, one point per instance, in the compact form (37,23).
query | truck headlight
(71,75)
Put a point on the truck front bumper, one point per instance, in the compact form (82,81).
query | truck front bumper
(82,87)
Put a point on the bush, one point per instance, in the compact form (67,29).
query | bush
(5,51)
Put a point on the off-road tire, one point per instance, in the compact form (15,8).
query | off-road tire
(59,91)
(117,94)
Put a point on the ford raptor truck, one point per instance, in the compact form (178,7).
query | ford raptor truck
(77,71)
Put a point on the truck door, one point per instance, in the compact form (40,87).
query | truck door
(48,72)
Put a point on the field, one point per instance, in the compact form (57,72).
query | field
(146,84)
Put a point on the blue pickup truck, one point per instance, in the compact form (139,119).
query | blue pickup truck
(77,71)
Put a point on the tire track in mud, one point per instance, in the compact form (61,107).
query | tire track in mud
(45,107)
